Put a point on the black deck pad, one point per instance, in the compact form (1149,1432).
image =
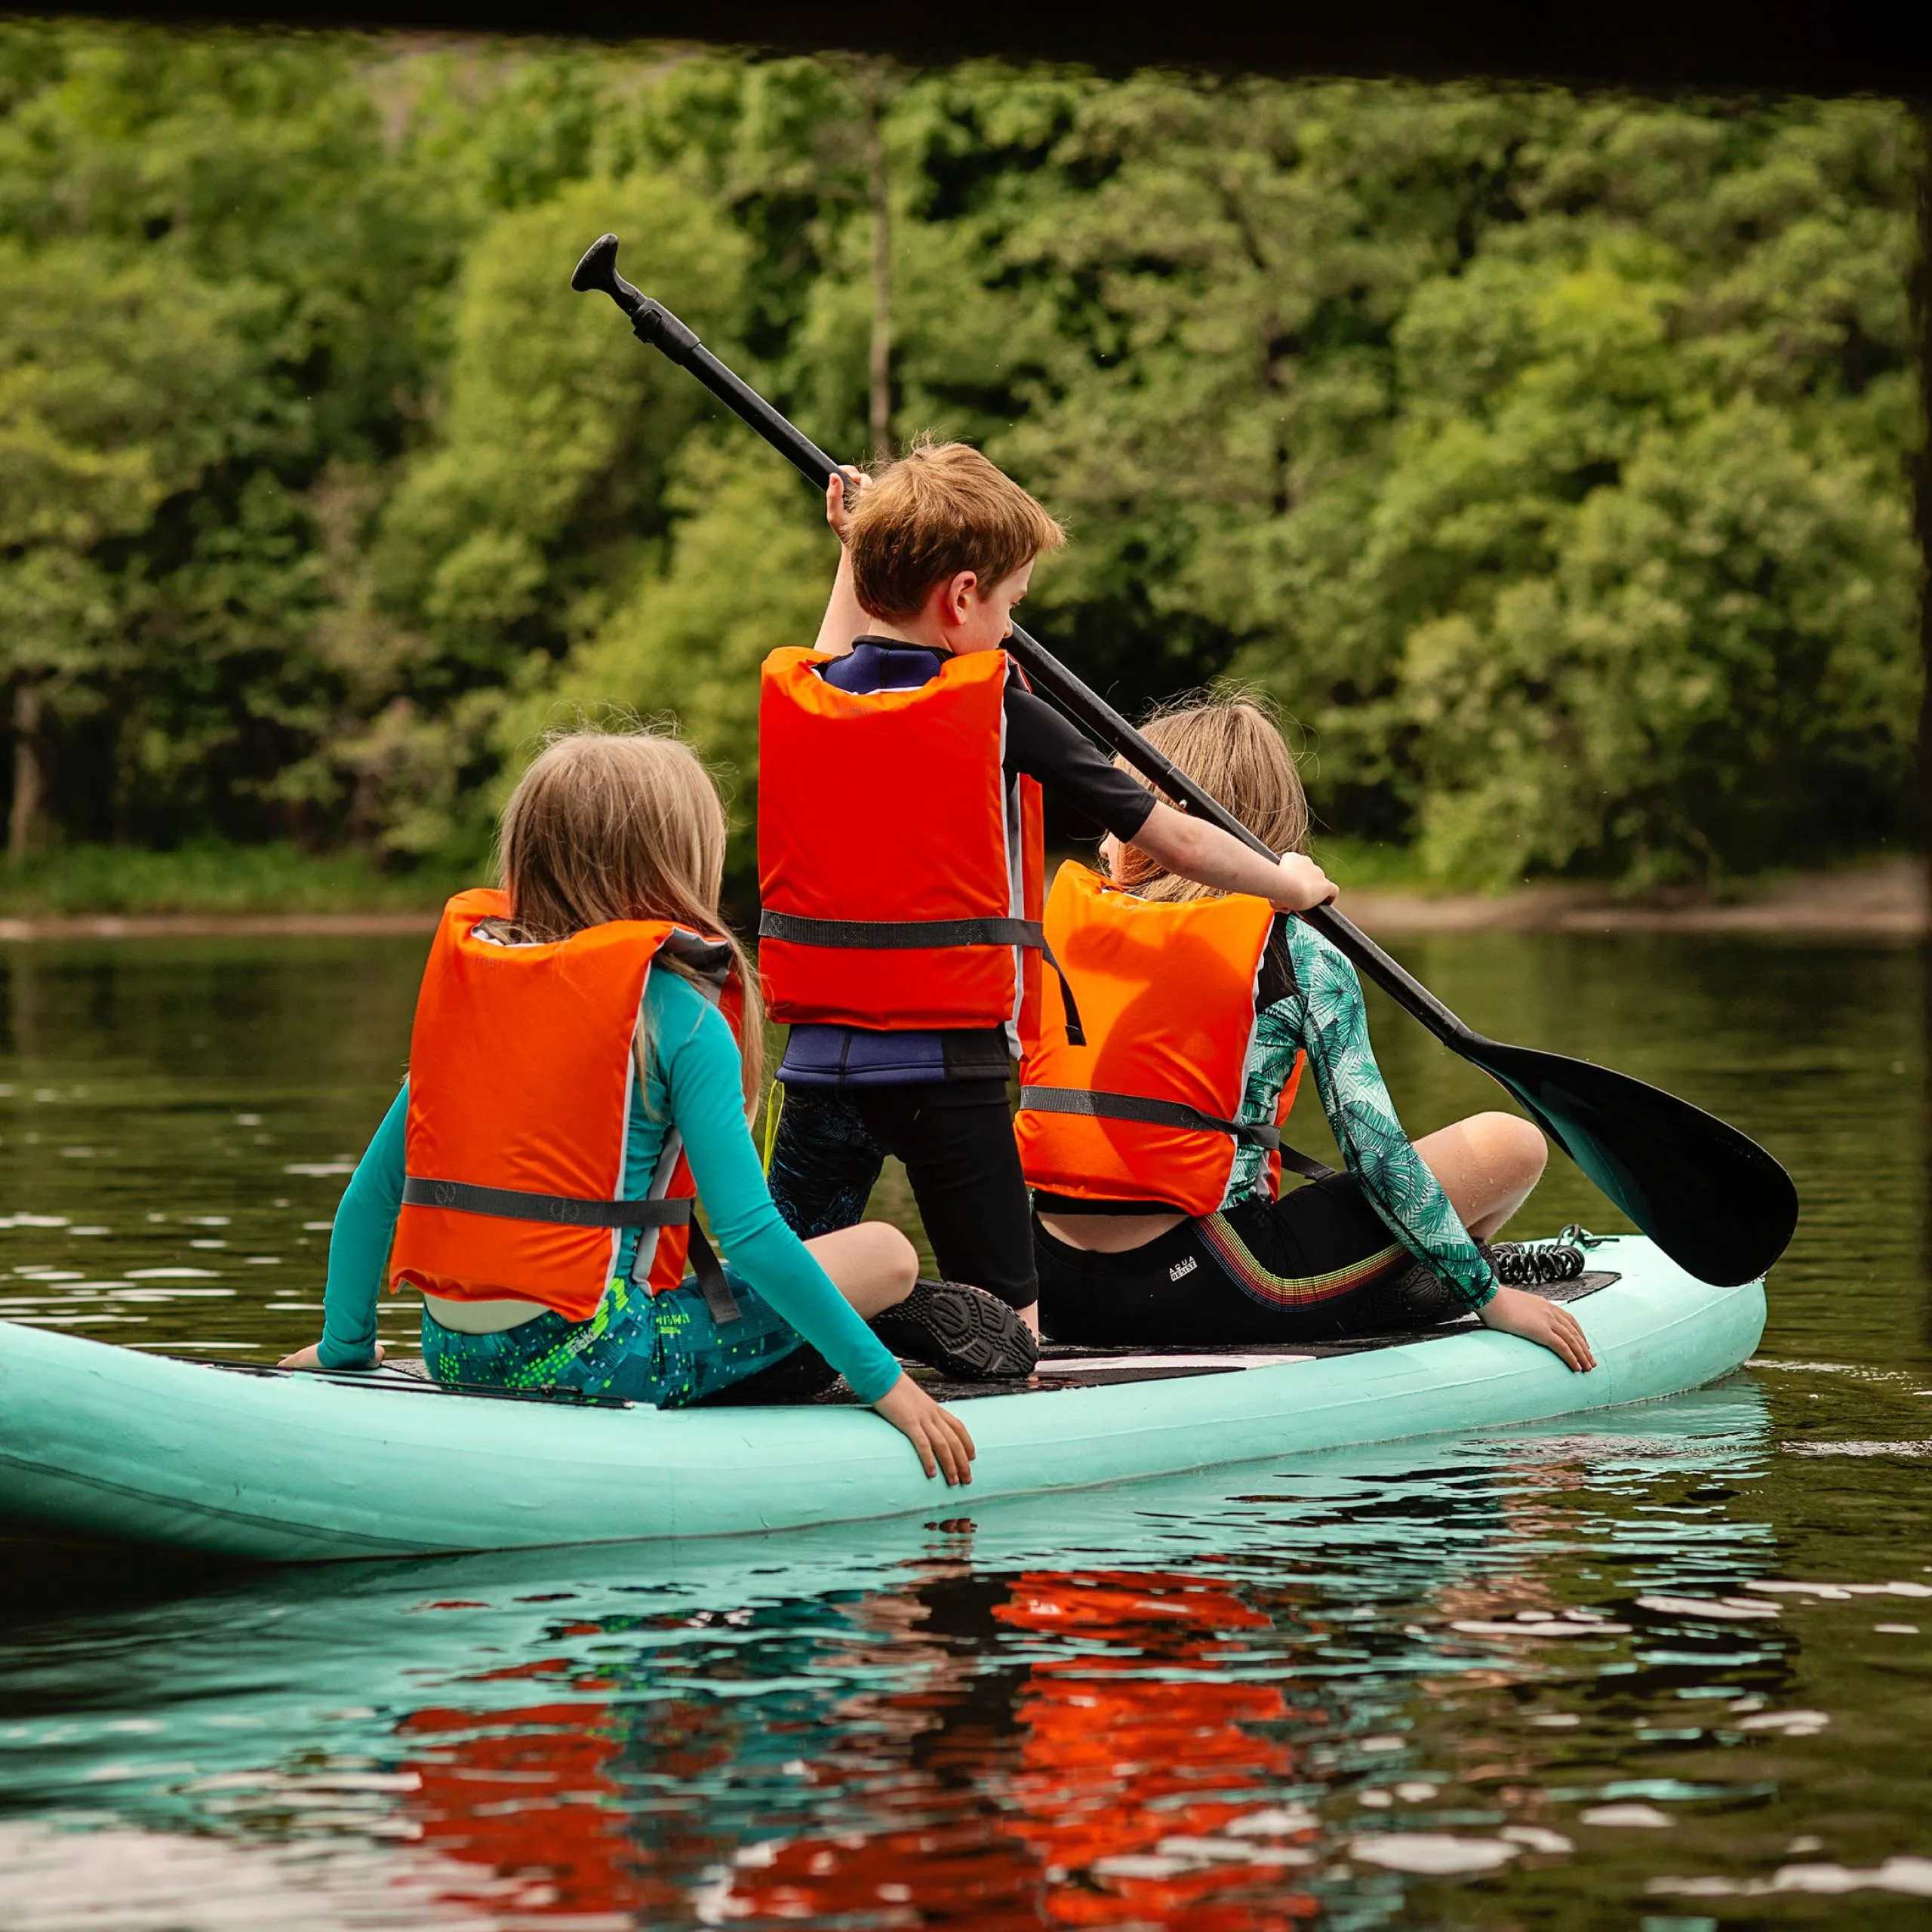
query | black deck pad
(1062,1365)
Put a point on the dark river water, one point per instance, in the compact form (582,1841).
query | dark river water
(1279,1694)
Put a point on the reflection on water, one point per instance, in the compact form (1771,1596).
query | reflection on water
(1668,1667)
(177,1120)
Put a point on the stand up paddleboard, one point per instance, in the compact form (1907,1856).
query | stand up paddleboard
(113,1445)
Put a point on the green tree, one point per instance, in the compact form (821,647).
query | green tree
(1546,455)
(117,391)
(540,504)
(748,567)
(1710,675)
(295,258)
(1348,368)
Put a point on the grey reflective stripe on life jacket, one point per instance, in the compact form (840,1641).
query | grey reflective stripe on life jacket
(509,1204)
(571,1210)
(1147,1112)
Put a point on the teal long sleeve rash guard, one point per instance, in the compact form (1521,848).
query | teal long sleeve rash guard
(694,1077)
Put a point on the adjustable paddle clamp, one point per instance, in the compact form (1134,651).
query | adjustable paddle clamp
(651,321)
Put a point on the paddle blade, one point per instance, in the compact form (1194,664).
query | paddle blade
(1711,1198)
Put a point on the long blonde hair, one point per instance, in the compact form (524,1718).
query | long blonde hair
(1234,750)
(620,825)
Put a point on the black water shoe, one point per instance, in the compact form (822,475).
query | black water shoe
(962,1332)
(1412,1296)
(803,1376)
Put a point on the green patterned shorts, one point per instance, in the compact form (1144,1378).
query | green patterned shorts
(664,1350)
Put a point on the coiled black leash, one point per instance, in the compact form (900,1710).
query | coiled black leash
(1540,1264)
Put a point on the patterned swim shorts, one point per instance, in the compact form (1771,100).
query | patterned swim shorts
(665,1350)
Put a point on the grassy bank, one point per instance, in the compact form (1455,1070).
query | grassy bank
(213,879)
(1355,862)
(1363,864)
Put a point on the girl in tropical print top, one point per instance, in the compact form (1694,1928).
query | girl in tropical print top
(1392,1244)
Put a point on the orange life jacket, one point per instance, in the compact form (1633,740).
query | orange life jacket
(902,876)
(521,1068)
(1144,1108)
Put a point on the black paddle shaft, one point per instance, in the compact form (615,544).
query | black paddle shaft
(1711,1198)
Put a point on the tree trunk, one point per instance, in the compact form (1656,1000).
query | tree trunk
(1921,308)
(879,181)
(1922,305)
(23,820)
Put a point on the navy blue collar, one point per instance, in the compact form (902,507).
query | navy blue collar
(883,664)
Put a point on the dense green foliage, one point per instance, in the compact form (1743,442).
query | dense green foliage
(1546,457)
(216,879)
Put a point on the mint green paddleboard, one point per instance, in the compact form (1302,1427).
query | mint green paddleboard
(109,1444)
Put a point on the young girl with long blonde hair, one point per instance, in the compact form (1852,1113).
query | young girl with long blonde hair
(585,1055)
(1150,1120)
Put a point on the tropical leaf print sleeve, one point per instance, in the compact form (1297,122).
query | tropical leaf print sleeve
(1329,1021)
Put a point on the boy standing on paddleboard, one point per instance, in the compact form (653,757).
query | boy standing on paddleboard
(901,764)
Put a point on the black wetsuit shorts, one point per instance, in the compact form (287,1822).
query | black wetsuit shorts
(1319,1263)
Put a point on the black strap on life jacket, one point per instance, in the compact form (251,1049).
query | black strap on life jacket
(907,935)
(1149,1113)
(1169,1113)
(1306,1165)
(1076,1034)
(509,1204)
(718,1296)
(900,935)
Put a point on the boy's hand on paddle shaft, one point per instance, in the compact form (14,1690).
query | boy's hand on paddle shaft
(1303,884)
(1547,1322)
(938,1435)
(849,483)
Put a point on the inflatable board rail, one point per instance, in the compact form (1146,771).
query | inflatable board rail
(110,1444)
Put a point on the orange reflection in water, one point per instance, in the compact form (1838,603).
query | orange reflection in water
(1118,1759)
(528,1795)
(982,1796)
(1100,1756)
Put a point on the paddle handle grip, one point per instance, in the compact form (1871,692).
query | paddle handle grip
(654,324)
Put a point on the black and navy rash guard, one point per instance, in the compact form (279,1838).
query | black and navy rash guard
(1040,744)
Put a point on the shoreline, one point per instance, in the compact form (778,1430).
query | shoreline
(220,925)
(1888,900)
(1877,901)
